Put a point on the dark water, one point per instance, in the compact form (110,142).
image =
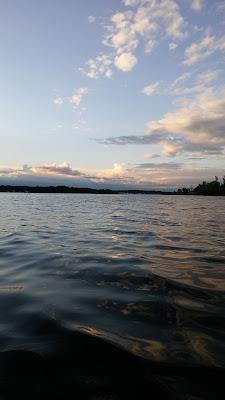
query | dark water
(110,295)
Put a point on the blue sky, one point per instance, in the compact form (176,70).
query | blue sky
(127,93)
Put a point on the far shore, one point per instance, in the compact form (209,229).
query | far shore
(199,190)
(71,189)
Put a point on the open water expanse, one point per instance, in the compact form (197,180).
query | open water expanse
(112,295)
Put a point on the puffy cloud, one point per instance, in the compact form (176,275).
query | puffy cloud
(125,62)
(78,96)
(199,127)
(151,89)
(197,5)
(145,21)
(100,66)
(203,48)
(75,99)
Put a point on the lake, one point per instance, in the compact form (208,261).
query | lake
(112,293)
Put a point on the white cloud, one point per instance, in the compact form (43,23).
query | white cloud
(208,76)
(151,89)
(54,169)
(198,127)
(125,62)
(199,85)
(172,46)
(197,5)
(118,168)
(78,96)
(58,101)
(91,19)
(83,90)
(100,66)
(203,48)
(150,45)
(119,176)
(130,2)
(76,99)
(181,78)
(145,21)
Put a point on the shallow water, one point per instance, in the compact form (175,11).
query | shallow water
(140,273)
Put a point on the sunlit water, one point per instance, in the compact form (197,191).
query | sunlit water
(146,273)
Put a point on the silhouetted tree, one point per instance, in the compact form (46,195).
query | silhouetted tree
(213,188)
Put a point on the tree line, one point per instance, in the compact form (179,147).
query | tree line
(52,189)
(213,188)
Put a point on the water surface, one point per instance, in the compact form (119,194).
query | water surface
(143,274)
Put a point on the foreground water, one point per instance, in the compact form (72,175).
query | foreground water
(112,293)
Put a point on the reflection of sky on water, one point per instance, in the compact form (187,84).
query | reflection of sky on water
(144,272)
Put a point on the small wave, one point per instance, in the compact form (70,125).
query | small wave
(114,297)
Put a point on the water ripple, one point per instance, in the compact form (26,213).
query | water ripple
(145,274)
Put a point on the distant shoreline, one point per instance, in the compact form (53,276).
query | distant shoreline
(76,190)
(69,189)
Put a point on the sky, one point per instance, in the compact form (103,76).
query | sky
(112,93)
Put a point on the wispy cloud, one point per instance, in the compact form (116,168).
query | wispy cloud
(197,5)
(151,89)
(151,156)
(203,48)
(91,19)
(54,169)
(173,46)
(199,84)
(58,101)
(160,166)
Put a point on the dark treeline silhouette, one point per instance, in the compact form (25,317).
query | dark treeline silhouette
(52,189)
(68,189)
(213,188)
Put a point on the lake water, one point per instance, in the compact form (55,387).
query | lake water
(136,276)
